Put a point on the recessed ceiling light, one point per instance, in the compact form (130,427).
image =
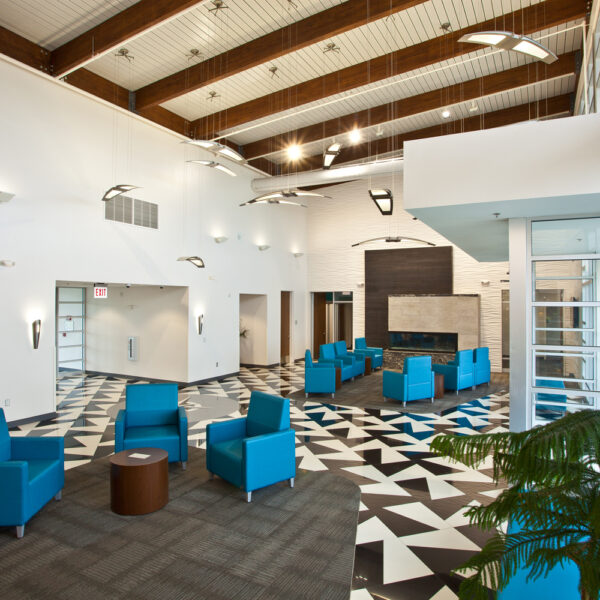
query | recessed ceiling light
(446,114)
(355,136)
(294,152)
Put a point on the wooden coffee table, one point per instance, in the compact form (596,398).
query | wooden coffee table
(367,365)
(139,485)
(439,386)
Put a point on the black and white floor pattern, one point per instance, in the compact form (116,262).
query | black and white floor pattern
(412,531)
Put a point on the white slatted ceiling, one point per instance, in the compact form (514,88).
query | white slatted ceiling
(531,93)
(415,25)
(430,78)
(164,50)
(51,23)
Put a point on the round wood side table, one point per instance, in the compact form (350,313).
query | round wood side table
(139,485)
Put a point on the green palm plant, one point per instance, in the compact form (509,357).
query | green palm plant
(553,494)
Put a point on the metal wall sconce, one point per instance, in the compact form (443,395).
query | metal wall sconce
(263,247)
(384,201)
(298,254)
(195,260)
(7,263)
(6,197)
(200,323)
(220,239)
(117,190)
(36,328)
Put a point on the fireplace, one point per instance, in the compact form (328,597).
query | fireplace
(414,341)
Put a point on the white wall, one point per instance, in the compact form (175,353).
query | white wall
(61,150)
(351,216)
(253,318)
(159,320)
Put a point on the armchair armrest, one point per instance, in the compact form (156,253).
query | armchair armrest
(14,476)
(223,431)
(182,422)
(269,458)
(395,385)
(364,352)
(336,362)
(375,349)
(323,366)
(120,431)
(31,448)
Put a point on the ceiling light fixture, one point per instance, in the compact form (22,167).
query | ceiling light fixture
(331,47)
(281,197)
(6,196)
(384,200)
(474,107)
(218,5)
(330,154)
(216,148)
(391,239)
(220,239)
(213,165)
(446,114)
(507,40)
(117,190)
(195,260)
(212,95)
(355,136)
(294,152)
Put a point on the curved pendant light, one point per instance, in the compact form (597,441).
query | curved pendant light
(393,240)
(217,148)
(213,165)
(282,197)
(507,40)
(117,190)
(195,260)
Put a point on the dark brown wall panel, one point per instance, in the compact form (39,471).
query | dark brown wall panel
(401,271)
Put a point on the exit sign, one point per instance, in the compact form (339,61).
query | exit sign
(100,292)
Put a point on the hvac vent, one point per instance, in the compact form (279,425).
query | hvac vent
(130,210)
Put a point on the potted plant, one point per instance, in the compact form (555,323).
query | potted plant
(553,498)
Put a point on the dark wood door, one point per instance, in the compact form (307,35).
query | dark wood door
(285,327)
(319,322)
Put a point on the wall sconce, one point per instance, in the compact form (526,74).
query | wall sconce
(263,247)
(485,282)
(220,239)
(200,323)
(298,254)
(36,327)
(6,196)
(7,263)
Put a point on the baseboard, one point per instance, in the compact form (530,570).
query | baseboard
(180,384)
(251,366)
(209,379)
(44,417)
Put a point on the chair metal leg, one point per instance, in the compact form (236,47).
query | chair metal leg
(211,475)
(332,396)
(472,387)
(305,395)
(353,379)
(432,401)
(404,404)
(58,496)
(20,531)
(184,464)
(248,496)
(292,482)
(384,399)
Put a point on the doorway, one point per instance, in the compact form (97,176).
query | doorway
(332,319)
(253,330)
(70,329)
(286,313)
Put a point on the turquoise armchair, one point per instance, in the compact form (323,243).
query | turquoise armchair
(152,418)
(417,382)
(358,363)
(459,373)
(255,451)
(319,378)
(32,472)
(376,354)
(482,370)
(327,355)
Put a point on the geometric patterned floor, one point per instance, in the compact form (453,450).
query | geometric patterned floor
(411,530)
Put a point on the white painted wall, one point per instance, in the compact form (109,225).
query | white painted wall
(157,317)
(253,318)
(61,150)
(351,216)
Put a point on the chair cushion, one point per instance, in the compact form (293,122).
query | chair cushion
(227,460)
(38,467)
(4,438)
(151,432)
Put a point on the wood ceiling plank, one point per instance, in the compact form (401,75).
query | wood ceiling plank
(313,29)
(499,118)
(524,21)
(436,99)
(114,32)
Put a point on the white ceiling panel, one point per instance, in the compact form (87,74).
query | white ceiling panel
(51,23)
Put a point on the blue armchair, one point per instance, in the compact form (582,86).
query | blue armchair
(32,472)
(341,351)
(255,451)
(459,373)
(153,419)
(327,355)
(376,354)
(482,369)
(319,378)
(551,411)
(417,382)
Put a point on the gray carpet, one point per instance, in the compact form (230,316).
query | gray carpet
(207,543)
(366,392)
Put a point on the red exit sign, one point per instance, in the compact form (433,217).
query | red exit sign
(100,292)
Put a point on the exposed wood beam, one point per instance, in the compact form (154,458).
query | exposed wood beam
(265,165)
(114,32)
(436,99)
(525,21)
(499,118)
(313,29)
(23,50)
(99,86)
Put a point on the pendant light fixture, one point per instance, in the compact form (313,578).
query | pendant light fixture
(390,239)
(117,190)
(507,40)
(384,200)
(195,260)
(213,165)
(282,197)
(330,154)
(217,148)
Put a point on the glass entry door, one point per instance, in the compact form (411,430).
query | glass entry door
(70,329)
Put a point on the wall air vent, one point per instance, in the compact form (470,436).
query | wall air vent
(130,210)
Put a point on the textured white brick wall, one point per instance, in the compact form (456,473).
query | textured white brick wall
(350,216)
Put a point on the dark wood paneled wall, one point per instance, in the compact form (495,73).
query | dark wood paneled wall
(401,271)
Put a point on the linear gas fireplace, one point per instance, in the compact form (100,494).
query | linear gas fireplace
(414,341)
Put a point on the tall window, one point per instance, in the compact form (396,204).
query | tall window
(565,305)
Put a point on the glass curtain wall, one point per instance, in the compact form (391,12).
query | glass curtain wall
(565,305)
(588,91)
